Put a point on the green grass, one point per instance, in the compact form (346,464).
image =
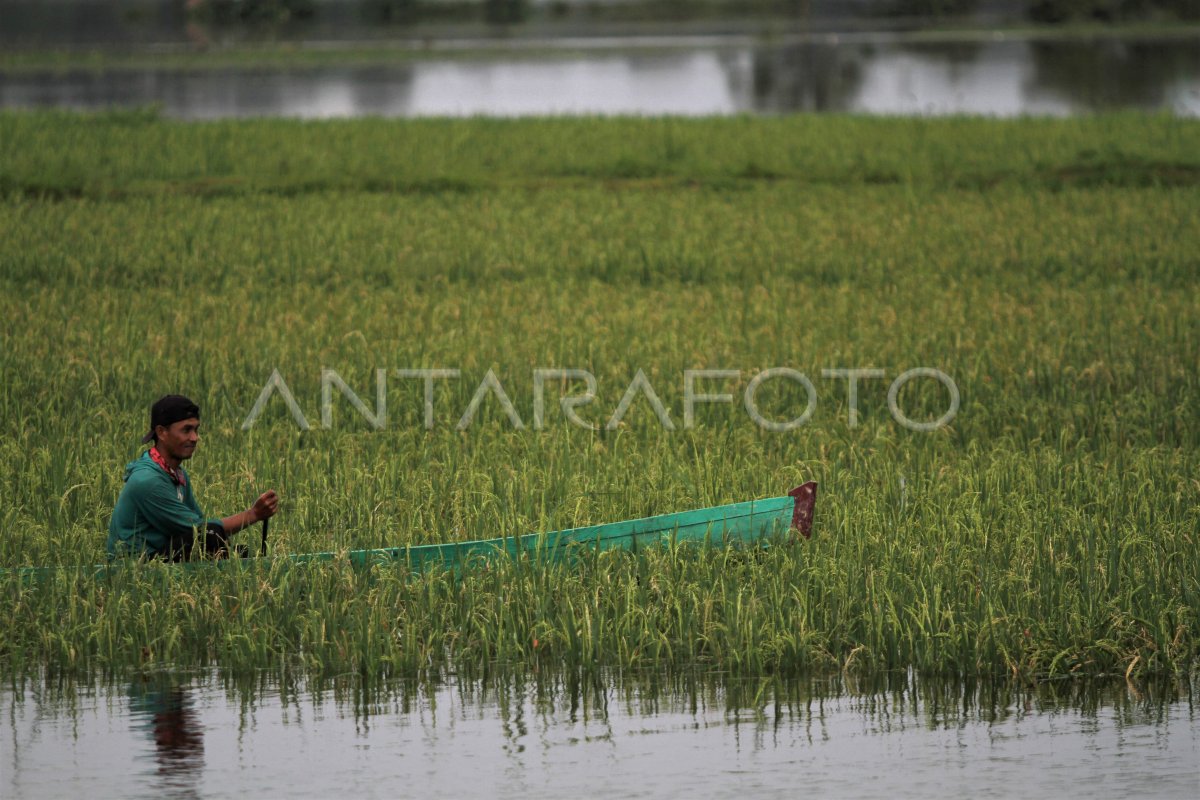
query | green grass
(1049,266)
(129,154)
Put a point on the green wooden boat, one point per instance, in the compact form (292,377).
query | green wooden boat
(734,523)
(737,522)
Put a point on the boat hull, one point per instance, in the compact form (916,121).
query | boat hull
(737,522)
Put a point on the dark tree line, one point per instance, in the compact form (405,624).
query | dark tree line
(1053,10)
(224,12)
(1110,10)
(227,12)
(507,11)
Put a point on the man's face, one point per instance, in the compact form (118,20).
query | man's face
(178,440)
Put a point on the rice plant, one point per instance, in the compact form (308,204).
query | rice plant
(1048,266)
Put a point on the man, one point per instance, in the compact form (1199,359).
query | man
(156,515)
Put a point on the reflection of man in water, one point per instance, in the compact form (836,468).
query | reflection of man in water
(165,708)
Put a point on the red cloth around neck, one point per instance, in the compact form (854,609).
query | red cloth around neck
(175,473)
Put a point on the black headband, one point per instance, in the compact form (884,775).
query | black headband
(168,410)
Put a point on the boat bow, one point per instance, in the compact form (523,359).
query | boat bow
(805,496)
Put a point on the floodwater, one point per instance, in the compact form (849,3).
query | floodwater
(992,76)
(199,735)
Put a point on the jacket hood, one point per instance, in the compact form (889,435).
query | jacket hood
(142,464)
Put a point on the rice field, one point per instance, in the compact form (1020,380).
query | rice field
(1048,267)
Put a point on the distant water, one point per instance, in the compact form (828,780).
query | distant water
(993,77)
(198,736)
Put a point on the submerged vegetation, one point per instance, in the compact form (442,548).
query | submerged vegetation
(1049,267)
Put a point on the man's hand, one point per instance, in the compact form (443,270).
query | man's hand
(265,506)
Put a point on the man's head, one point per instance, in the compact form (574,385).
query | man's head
(174,426)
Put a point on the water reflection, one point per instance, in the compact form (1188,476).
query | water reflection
(686,83)
(1002,78)
(1136,74)
(594,732)
(891,701)
(164,708)
(811,77)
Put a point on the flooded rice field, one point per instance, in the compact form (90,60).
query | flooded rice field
(201,735)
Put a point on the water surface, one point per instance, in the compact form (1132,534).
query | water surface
(201,736)
(997,77)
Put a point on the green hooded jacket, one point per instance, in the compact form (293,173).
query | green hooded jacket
(152,510)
